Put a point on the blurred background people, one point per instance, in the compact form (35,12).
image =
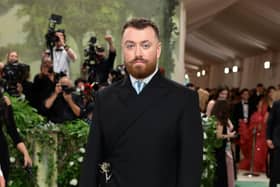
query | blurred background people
(224,174)
(222,93)
(240,117)
(62,54)
(99,69)
(16,75)
(63,104)
(43,84)
(257,139)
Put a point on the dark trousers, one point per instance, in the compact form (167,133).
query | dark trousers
(274,166)
(272,184)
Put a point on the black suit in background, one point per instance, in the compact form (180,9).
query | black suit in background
(273,133)
(153,139)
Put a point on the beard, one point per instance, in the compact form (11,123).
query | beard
(142,70)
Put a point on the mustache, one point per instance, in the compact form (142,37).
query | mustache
(138,58)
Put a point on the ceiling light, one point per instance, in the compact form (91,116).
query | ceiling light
(266,65)
(226,70)
(198,74)
(203,72)
(234,69)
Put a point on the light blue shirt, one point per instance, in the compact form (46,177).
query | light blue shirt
(145,80)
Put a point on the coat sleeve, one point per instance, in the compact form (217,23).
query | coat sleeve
(11,125)
(270,121)
(190,144)
(90,167)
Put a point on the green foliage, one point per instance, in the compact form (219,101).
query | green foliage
(26,120)
(72,137)
(209,145)
(72,140)
(170,31)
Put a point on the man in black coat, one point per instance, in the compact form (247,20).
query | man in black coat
(273,142)
(241,112)
(148,138)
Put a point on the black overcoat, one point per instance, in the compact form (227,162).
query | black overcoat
(153,139)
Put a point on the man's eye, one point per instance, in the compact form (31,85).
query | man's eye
(129,46)
(146,45)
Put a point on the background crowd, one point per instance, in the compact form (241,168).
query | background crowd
(242,115)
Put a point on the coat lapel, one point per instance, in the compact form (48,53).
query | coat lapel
(136,105)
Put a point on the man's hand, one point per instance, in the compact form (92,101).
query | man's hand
(270,144)
(109,38)
(67,97)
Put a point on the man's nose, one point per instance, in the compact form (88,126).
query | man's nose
(138,51)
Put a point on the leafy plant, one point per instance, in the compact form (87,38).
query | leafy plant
(34,129)
(209,146)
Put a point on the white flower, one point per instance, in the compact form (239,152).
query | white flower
(204,157)
(71,163)
(82,150)
(80,159)
(204,149)
(205,173)
(204,135)
(10,182)
(73,182)
(12,159)
(211,166)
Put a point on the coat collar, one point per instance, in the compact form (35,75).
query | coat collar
(135,106)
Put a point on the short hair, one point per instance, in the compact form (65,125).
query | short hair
(259,85)
(244,90)
(61,31)
(8,54)
(141,23)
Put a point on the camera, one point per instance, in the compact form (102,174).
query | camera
(67,89)
(51,38)
(15,73)
(91,55)
(90,52)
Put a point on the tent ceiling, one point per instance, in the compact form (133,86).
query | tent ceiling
(220,31)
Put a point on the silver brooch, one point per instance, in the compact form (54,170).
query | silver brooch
(106,169)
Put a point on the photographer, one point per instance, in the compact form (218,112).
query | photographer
(62,54)
(16,75)
(63,104)
(98,72)
(43,84)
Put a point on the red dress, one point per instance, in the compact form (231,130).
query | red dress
(257,122)
(245,144)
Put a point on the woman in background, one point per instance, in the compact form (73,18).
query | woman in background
(224,159)
(257,134)
(222,93)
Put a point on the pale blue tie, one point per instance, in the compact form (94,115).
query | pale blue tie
(139,85)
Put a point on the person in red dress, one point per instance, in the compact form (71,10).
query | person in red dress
(257,128)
